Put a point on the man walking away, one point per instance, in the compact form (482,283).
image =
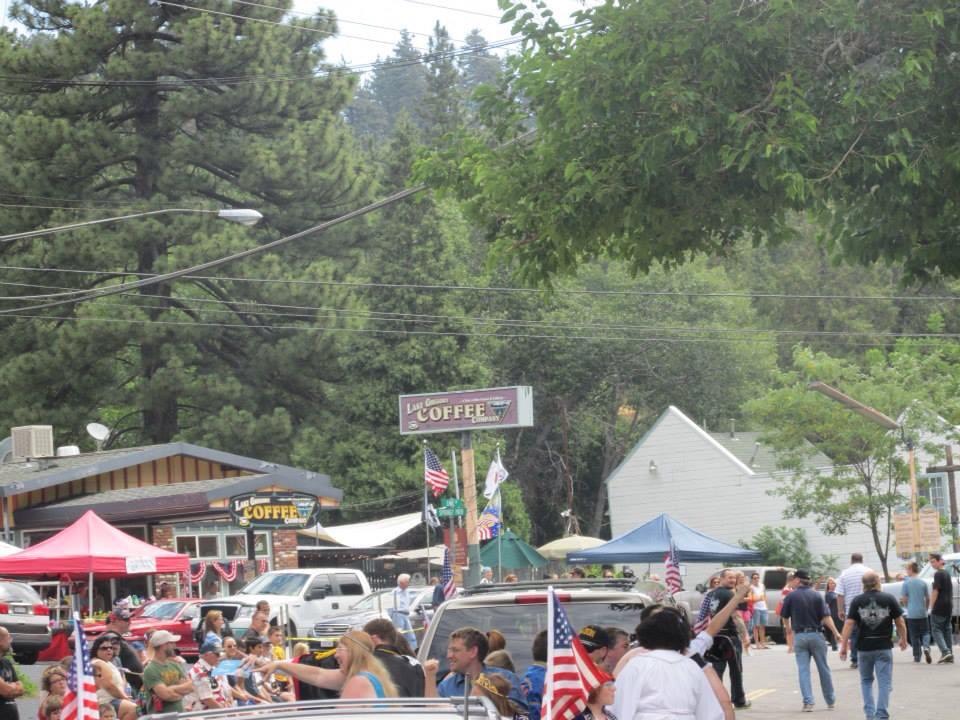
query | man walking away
(941,609)
(916,599)
(873,613)
(849,587)
(731,652)
(804,611)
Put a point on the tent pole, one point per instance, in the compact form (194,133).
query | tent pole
(6,520)
(90,595)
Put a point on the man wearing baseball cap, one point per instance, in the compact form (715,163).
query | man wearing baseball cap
(118,624)
(596,641)
(164,679)
(209,691)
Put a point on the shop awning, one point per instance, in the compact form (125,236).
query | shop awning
(367,534)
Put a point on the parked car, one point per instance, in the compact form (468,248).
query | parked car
(773,579)
(27,618)
(951,563)
(173,614)
(519,611)
(299,598)
(376,605)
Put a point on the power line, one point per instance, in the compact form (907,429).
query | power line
(435,333)
(308,312)
(745,294)
(288,26)
(453,9)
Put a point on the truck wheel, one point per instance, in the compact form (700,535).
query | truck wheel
(27,657)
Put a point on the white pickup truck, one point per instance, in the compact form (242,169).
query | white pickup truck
(298,598)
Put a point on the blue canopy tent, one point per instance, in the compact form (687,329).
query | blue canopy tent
(651,541)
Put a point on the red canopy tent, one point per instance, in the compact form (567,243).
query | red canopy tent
(92,549)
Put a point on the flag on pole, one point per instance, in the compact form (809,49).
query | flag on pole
(703,617)
(672,563)
(496,474)
(80,700)
(446,576)
(430,516)
(571,674)
(489,524)
(435,476)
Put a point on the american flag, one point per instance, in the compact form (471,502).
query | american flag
(571,674)
(672,562)
(80,700)
(435,476)
(446,576)
(703,617)
(488,526)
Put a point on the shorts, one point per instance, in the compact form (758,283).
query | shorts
(759,619)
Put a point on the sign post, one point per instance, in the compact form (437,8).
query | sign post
(464,411)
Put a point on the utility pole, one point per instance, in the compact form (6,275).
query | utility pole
(950,468)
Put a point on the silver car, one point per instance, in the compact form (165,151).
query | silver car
(951,563)
(27,618)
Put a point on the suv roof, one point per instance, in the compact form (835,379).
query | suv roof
(440,708)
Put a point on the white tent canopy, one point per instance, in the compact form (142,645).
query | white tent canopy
(8,549)
(367,534)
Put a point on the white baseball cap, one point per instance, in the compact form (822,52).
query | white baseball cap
(162,637)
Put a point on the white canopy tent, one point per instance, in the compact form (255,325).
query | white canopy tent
(8,549)
(367,534)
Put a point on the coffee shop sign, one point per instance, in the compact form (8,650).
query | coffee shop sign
(486,409)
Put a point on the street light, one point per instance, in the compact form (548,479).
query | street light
(244,216)
(878,418)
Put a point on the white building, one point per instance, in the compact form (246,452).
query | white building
(717,483)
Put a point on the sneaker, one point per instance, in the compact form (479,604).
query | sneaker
(853,665)
(744,706)
(807,707)
(831,706)
(926,654)
(944,659)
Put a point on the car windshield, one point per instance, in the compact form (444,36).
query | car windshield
(951,566)
(376,601)
(276,584)
(16,592)
(521,623)
(162,610)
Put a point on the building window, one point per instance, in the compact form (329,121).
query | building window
(199,546)
(237,545)
(934,489)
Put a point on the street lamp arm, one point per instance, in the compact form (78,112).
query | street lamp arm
(241,215)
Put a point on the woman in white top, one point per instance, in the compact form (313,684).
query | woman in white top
(664,684)
(758,621)
(111,686)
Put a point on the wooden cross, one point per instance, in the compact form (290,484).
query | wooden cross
(949,469)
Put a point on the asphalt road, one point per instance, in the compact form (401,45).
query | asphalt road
(771,683)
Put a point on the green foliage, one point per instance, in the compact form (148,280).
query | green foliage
(30,688)
(913,382)
(666,130)
(786,546)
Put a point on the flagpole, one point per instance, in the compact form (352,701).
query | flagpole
(426,514)
(548,691)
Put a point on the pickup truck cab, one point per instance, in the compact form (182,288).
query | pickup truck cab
(299,598)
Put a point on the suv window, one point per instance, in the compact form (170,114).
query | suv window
(521,623)
(349,584)
(775,579)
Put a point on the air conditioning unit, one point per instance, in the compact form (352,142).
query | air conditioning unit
(32,441)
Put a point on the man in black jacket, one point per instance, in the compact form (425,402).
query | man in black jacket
(391,649)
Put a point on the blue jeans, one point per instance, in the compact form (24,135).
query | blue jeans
(808,645)
(919,635)
(854,636)
(942,633)
(879,663)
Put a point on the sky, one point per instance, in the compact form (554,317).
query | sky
(371,28)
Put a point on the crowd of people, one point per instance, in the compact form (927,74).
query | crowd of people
(660,669)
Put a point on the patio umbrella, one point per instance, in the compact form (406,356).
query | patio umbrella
(509,551)
(558,549)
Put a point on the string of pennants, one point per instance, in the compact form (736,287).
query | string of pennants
(228,570)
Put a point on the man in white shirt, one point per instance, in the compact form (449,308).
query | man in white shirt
(403,598)
(849,586)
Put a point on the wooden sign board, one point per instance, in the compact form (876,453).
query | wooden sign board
(903,534)
(929,529)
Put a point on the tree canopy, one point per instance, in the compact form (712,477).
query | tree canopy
(666,130)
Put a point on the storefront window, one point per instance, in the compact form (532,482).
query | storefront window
(208,546)
(199,546)
(187,545)
(237,545)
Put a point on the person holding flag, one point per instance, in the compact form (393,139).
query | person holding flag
(80,700)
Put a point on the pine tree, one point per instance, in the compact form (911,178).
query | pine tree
(129,105)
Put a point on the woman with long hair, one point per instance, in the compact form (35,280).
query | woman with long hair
(360,675)
(213,623)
